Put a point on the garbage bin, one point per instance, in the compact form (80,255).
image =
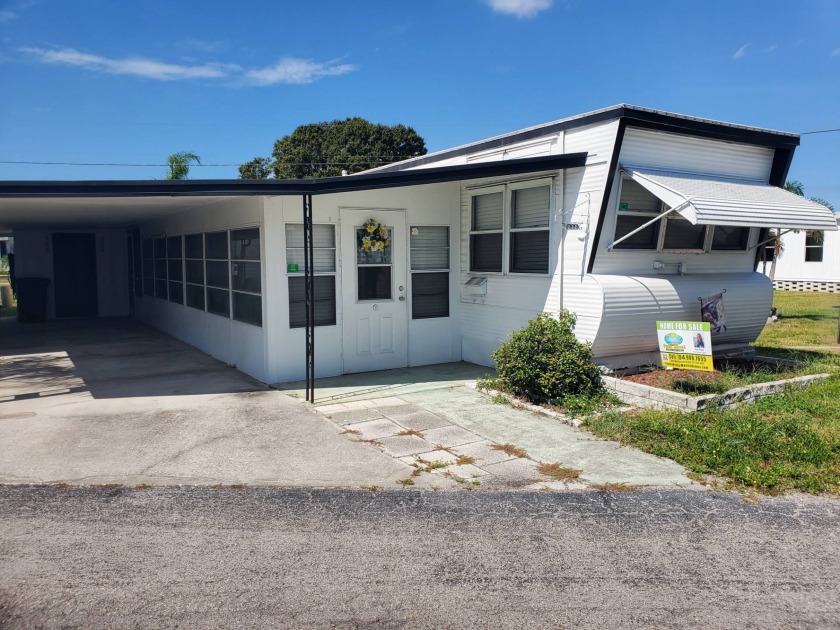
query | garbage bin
(32,299)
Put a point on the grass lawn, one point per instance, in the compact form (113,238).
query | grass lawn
(786,442)
(808,319)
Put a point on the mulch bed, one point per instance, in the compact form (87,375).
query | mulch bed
(666,379)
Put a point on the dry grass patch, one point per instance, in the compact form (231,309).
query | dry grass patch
(558,471)
(411,432)
(510,449)
(371,441)
(465,459)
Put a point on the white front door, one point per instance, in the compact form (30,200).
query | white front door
(373,287)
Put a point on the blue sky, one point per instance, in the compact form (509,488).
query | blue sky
(131,82)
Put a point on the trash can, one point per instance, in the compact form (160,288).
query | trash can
(32,299)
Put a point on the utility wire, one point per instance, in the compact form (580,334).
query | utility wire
(366,158)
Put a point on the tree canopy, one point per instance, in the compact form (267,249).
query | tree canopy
(179,164)
(326,149)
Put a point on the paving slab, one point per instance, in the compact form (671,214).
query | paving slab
(374,429)
(517,469)
(450,436)
(402,445)
(420,420)
(550,440)
(465,471)
(482,452)
(354,416)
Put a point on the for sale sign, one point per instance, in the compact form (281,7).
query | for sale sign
(685,345)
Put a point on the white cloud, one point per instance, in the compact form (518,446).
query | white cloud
(835,52)
(7,16)
(741,52)
(288,70)
(519,8)
(770,49)
(296,71)
(133,66)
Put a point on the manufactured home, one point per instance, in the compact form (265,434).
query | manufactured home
(624,216)
(809,261)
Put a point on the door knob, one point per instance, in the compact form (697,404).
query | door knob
(402,298)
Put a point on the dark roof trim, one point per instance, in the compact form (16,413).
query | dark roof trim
(605,201)
(635,117)
(246,187)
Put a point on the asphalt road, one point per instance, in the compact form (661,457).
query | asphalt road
(258,557)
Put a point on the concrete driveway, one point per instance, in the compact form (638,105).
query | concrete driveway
(114,401)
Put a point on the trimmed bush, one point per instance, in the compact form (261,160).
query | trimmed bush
(545,362)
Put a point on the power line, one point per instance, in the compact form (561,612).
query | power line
(805,133)
(132,165)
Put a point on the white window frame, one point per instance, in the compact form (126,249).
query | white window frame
(811,247)
(300,272)
(507,230)
(447,270)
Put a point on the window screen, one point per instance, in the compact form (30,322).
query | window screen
(194,271)
(813,246)
(681,234)
(325,306)
(730,238)
(487,212)
(429,295)
(323,246)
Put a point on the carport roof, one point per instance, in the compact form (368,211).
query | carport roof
(121,203)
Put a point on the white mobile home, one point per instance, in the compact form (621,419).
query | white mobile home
(624,216)
(806,262)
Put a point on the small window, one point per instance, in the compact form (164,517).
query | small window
(529,230)
(218,301)
(161,283)
(148,268)
(175,269)
(324,255)
(730,238)
(637,206)
(429,271)
(245,244)
(324,297)
(194,270)
(215,246)
(486,233)
(429,295)
(680,234)
(813,246)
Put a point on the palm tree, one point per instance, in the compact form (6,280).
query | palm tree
(179,164)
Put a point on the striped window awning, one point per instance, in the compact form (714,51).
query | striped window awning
(717,200)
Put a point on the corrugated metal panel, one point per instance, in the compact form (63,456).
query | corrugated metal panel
(658,149)
(632,305)
(709,200)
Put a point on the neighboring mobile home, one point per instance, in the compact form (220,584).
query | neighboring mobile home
(806,262)
(623,215)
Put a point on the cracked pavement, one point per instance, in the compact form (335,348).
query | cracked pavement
(201,557)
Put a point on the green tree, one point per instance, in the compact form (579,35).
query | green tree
(258,168)
(179,164)
(325,149)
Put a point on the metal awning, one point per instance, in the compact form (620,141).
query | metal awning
(717,200)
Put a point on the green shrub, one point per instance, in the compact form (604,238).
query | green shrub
(545,362)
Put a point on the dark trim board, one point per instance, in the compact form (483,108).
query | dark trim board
(250,187)
(619,140)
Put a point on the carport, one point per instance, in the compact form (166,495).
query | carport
(85,239)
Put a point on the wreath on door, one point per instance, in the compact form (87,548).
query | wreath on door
(373,237)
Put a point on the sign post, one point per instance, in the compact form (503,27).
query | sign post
(685,345)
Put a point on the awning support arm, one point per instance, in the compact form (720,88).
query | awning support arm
(772,238)
(648,224)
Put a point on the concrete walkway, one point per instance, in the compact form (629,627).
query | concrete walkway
(428,398)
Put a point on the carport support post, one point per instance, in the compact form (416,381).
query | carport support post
(309,288)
